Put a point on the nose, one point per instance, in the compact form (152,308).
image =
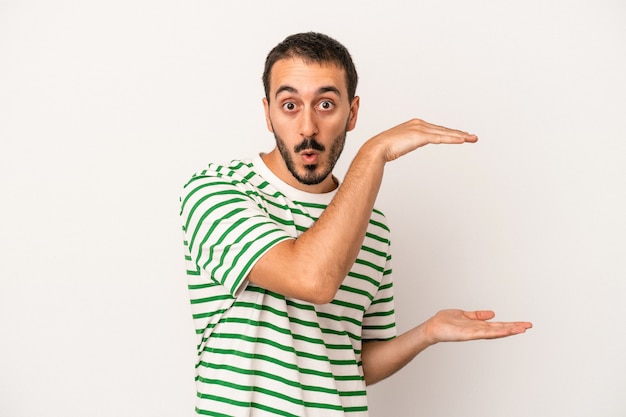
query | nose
(308,123)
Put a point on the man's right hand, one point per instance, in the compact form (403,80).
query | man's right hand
(413,134)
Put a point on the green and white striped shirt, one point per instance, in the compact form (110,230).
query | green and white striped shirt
(260,353)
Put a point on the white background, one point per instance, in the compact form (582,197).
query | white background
(106,108)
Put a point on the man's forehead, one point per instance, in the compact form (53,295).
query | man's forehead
(297,73)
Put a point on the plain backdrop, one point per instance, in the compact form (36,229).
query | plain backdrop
(106,109)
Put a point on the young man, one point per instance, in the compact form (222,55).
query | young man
(289,272)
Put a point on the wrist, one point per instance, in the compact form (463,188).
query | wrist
(372,151)
(429,332)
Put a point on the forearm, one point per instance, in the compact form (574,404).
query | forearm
(324,254)
(382,359)
(337,236)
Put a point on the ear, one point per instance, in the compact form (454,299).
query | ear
(354,112)
(268,121)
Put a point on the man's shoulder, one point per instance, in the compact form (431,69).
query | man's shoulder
(235,169)
(235,172)
(236,176)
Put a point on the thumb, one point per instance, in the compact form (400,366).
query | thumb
(480,314)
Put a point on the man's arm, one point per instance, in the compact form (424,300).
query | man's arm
(383,358)
(312,267)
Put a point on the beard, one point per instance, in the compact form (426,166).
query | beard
(315,173)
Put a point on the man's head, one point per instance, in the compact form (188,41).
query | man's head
(312,47)
(310,104)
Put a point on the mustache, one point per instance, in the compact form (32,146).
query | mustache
(309,143)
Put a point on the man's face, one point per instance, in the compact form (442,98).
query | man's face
(309,113)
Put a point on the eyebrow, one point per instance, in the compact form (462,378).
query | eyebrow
(321,90)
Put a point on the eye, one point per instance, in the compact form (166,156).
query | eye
(326,105)
(289,106)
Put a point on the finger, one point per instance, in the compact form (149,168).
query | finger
(440,130)
(480,315)
(526,324)
(521,324)
(510,330)
(495,332)
(451,137)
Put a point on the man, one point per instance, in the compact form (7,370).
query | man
(289,272)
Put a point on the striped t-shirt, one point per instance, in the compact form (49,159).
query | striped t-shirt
(260,353)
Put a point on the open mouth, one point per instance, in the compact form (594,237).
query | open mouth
(309,157)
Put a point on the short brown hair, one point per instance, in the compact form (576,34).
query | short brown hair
(312,47)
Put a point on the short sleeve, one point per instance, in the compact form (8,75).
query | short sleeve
(227,229)
(379,321)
